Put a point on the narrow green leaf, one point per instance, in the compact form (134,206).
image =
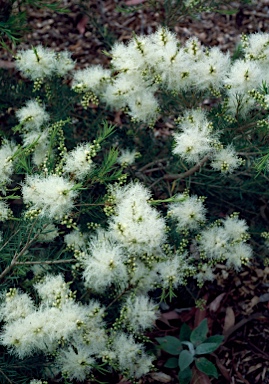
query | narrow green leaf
(185,359)
(171,363)
(185,332)
(185,376)
(206,367)
(170,344)
(198,335)
(206,348)
(227,11)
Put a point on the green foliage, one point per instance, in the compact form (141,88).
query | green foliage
(13,18)
(176,11)
(189,346)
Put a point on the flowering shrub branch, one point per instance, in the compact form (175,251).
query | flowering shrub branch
(97,241)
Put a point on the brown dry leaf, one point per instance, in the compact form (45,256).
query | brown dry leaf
(134,2)
(229,320)
(215,304)
(199,377)
(254,301)
(81,25)
(160,377)
(224,371)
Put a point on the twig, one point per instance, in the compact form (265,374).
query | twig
(152,163)
(118,297)
(17,256)
(11,382)
(45,262)
(187,173)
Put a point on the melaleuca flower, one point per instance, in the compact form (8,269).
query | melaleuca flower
(139,313)
(136,225)
(103,264)
(78,162)
(127,157)
(130,356)
(244,76)
(36,63)
(196,138)
(5,211)
(64,63)
(212,70)
(189,213)
(7,151)
(226,242)
(76,240)
(93,78)
(53,290)
(15,305)
(76,363)
(226,160)
(32,116)
(51,196)
(256,47)
(173,271)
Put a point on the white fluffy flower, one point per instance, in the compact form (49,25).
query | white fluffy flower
(189,213)
(173,272)
(212,70)
(103,264)
(140,313)
(192,145)
(53,196)
(93,78)
(136,224)
(5,211)
(7,150)
(143,106)
(256,47)
(127,157)
(53,290)
(244,76)
(75,363)
(237,255)
(15,306)
(76,240)
(213,242)
(226,160)
(64,63)
(226,242)
(205,274)
(131,358)
(32,116)
(43,329)
(78,162)
(36,63)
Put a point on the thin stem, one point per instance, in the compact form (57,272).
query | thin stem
(119,296)
(45,262)
(187,173)
(18,255)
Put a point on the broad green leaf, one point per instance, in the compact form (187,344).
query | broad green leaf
(198,335)
(185,332)
(170,344)
(185,359)
(185,376)
(206,367)
(171,363)
(206,348)
(218,339)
